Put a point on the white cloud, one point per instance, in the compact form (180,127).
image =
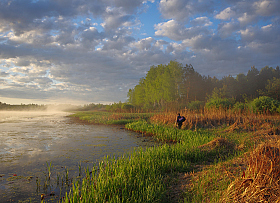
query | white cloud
(143,44)
(181,10)
(266,27)
(94,50)
(201,21)
(228,29)
(246,19)
(177,31)
(226,14)
(267,7)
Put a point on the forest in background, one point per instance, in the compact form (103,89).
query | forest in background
(174,86)
(37,107)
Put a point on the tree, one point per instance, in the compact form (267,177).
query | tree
(231,84)
(160,86)
(194,85)
(272,89)
(252,77)
(241,86)
(265,74)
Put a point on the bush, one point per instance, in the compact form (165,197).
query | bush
(217,103)
(265,103)
(239,106)
(195,105)
(127,107)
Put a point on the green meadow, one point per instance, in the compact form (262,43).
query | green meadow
(192,165)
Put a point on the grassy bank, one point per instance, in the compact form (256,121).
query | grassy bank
(108,118)
(192,166)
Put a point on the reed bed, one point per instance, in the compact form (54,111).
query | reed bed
(211,118)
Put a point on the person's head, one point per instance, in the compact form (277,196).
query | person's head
(178,114)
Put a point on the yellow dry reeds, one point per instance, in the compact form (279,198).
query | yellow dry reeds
(234,120)
(260,181)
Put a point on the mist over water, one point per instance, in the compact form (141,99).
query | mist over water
(30,140)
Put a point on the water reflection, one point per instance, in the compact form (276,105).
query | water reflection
(31,140)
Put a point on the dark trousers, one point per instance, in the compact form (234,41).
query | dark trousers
(179,124)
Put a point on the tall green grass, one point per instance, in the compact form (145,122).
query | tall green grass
(144,175)
(169,134)
(98,117)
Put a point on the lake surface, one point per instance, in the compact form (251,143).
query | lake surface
(33,142)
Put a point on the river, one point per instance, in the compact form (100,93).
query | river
(34,142)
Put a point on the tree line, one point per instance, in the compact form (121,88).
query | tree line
(177,86)
(36,107)
(21,107)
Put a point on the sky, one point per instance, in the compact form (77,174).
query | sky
(94,51)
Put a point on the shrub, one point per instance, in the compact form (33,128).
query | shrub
(265,103)
(127,107)
(217,103)
(239,106)
(195,105)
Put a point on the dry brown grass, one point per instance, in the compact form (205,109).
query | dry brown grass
(237,121)
(217,143)
(260,181)
(253,178)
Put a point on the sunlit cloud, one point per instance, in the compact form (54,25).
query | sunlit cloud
(95,51)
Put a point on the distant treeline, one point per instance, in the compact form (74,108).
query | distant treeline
(115,107)
(22,107)
(37,107)
(174,87)
(177,86)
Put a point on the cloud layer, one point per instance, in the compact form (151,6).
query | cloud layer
(94,51)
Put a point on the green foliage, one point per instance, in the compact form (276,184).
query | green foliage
(127,107)
(240,106)
(219,93)
(144,175)
(111,118)
(173,84)
(92,106)
(195,105)
(264,103)
(114,107)
(272,89)
(158,88)
(217,103)
(194,86)
(220,99)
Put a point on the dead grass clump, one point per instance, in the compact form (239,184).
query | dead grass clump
(260,181)
(216,144)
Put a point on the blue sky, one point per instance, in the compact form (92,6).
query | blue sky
(60,51)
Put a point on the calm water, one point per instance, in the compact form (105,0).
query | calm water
(31,141)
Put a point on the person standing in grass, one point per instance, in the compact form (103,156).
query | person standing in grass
(180,120)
